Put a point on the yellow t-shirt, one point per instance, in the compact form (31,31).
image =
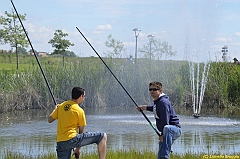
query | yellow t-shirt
(70,116)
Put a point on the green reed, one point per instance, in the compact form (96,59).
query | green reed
(26,88)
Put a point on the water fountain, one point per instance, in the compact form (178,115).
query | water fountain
(197,87)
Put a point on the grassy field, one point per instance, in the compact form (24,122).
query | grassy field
(132,154)
(9,62)
(12,66)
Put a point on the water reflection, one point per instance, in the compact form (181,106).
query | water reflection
(126,128)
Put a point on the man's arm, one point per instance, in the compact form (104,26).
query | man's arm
(81,129)
(50,118)
(141,107)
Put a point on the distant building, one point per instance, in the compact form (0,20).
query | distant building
(5,51)
(41,54)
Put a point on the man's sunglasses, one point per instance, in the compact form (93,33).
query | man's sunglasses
(153,89)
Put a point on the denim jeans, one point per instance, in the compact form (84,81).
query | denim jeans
(64,148)
(170,134)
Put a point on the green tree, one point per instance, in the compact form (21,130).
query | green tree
(60,44)
(167,50)
(31,51)
(70,53)
(21,50)
(116,46)
(1,33)
(158,50)
(12,32)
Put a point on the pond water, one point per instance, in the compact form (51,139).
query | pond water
(29,132)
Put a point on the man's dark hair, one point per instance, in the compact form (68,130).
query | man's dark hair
(155,83)
(77,92)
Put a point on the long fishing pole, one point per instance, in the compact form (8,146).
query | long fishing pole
(119,83)
(39,64)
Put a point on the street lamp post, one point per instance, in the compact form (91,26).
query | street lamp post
(150,37)
(136,31)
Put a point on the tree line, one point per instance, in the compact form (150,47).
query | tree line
(12,33)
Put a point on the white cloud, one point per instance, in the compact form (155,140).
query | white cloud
(39,37)
(237,33)
(216,47)
(236,44)
(223,40)
(102,28)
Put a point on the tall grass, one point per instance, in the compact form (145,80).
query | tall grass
(224,85)
(26,88)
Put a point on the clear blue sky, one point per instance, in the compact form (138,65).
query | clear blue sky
(201,26)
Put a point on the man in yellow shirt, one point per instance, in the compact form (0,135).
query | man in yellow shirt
(70,128)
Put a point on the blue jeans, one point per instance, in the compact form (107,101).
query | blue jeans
(64,148)
(170,134)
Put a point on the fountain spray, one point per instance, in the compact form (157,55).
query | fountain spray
(197,87)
